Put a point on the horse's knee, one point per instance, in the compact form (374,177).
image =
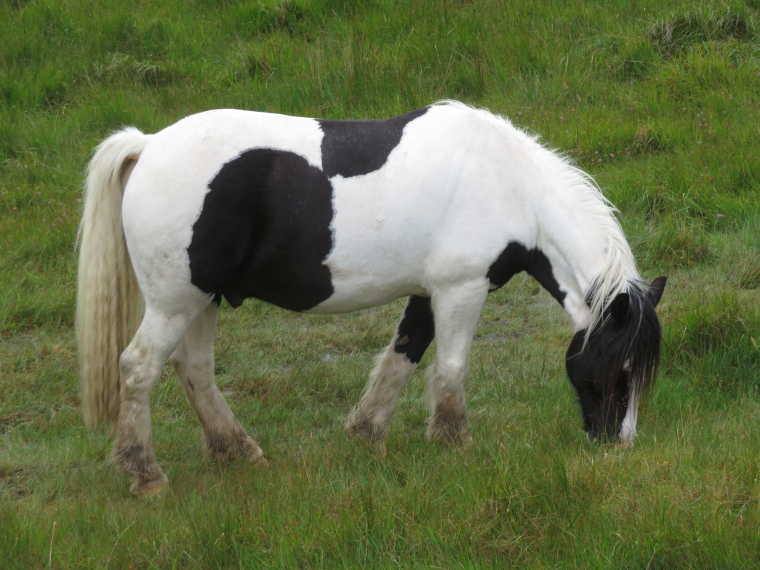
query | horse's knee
(136,386)
(450,370)
(134,359)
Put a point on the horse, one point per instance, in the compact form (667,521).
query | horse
(441,205)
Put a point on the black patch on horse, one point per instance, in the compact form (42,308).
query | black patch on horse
(352,148)
(516,258)
(264,232)
(620,358)
(416,329)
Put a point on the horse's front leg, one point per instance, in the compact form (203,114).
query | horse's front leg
(456,309)
(371,417)
(193,361)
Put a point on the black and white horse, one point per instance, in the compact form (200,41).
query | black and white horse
(441,205)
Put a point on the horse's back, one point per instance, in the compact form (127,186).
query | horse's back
(317,215)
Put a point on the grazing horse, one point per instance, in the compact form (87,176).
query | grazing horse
(441,205)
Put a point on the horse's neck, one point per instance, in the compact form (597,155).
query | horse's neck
(579,246)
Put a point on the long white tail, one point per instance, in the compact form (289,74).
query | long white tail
(109,302)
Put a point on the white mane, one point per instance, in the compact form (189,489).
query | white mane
(619,272)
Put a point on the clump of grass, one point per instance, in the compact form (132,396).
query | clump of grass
(648,140)
(125,69)
(628,142)
(256,19)
(717,338)
(681,31)
(676,243)
(637,59)
(748,272)
(739,253)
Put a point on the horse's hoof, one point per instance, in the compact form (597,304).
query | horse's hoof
(451,437)
(145,489)
(260,462)
(375,444)
(367,433)
(149,492)
(255,455)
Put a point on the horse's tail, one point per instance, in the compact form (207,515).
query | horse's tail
(109,302)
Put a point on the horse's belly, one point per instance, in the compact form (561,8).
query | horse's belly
(351,295)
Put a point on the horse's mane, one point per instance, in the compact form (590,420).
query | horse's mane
(619,273)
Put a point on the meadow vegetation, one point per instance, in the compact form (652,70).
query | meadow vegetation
(658,99)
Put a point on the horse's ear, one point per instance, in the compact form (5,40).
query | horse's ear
(656,289)
(619,307)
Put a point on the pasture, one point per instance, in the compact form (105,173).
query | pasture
(657,100)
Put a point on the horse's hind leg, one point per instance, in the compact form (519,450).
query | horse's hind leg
(140,366)
(193,361)
(456,311)
(372,415)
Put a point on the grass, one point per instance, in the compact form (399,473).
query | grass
(658,100)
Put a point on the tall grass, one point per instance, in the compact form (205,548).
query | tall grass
(658,100)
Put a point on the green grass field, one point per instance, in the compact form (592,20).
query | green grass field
(659,100)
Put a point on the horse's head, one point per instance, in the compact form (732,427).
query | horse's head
(611,367)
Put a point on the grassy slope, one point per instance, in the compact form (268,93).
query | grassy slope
(657,99)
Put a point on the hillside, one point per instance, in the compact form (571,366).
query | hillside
(658,100)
